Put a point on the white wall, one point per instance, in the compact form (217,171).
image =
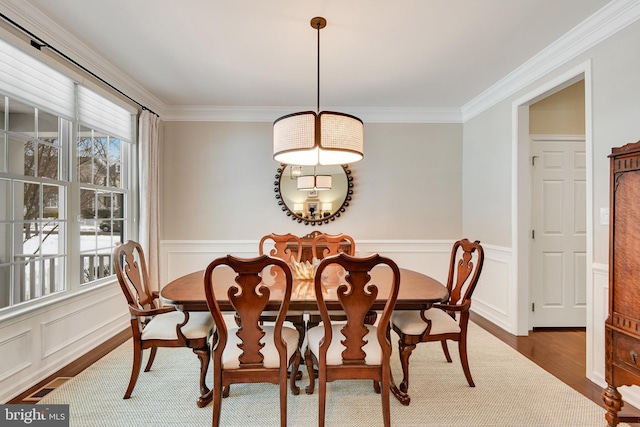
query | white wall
(218,183)
(487,152)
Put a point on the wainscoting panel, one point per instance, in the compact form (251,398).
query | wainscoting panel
(595,370)
(37,343)
(79,325)
(426,257)
(180,257)
(491,297)
(15,352)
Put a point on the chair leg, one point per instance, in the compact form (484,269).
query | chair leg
(386,406)
(217,399)
(462,348)
(294,368)
(204,354)
(445,349)
(283,398)
(322,395)
(376,386)
(308,359)
(405,352)
(152,357)
(135,369)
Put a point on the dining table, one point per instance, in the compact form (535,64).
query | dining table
(417,291)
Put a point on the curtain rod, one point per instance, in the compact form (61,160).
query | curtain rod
(38,43)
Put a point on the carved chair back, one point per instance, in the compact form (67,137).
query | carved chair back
(356,296)
(282,244)
(324,245)
(131,269)
(241,357)
(466,263)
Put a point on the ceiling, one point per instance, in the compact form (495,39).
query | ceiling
(375,54)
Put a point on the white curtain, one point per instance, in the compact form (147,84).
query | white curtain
(149,167)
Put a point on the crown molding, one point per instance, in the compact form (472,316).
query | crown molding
(42,26)
(612,18)
(269,114)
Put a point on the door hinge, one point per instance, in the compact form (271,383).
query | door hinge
(533,234)
(533,306)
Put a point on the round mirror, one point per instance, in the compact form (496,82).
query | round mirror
(313,194)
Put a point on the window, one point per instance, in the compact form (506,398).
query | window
(65,196)
(99,159)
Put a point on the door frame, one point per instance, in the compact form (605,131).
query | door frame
(521,195)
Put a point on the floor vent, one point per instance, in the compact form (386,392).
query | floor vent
(48,388)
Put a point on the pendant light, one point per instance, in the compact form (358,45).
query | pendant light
(325,138)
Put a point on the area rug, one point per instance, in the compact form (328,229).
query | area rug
(510,391)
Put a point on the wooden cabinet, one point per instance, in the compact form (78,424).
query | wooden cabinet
(622,327)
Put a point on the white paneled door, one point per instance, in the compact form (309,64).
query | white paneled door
(558,233)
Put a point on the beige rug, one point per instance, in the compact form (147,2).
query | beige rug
(510,391)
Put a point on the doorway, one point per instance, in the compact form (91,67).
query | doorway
(521,199)
(557,273)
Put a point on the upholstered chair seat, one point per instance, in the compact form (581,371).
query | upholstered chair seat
(163,326)
(410,322)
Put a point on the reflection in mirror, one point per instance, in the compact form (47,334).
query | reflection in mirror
(313,194)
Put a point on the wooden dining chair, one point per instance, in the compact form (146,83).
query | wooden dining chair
(324,245)
(355,349)
(282,244)
(253,352)
(153,326)
(446,321)
(282,248)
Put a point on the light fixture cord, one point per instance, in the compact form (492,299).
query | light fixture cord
(318,97)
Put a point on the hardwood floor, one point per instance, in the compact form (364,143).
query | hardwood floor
(561,352)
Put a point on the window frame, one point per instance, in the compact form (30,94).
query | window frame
(71,282)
